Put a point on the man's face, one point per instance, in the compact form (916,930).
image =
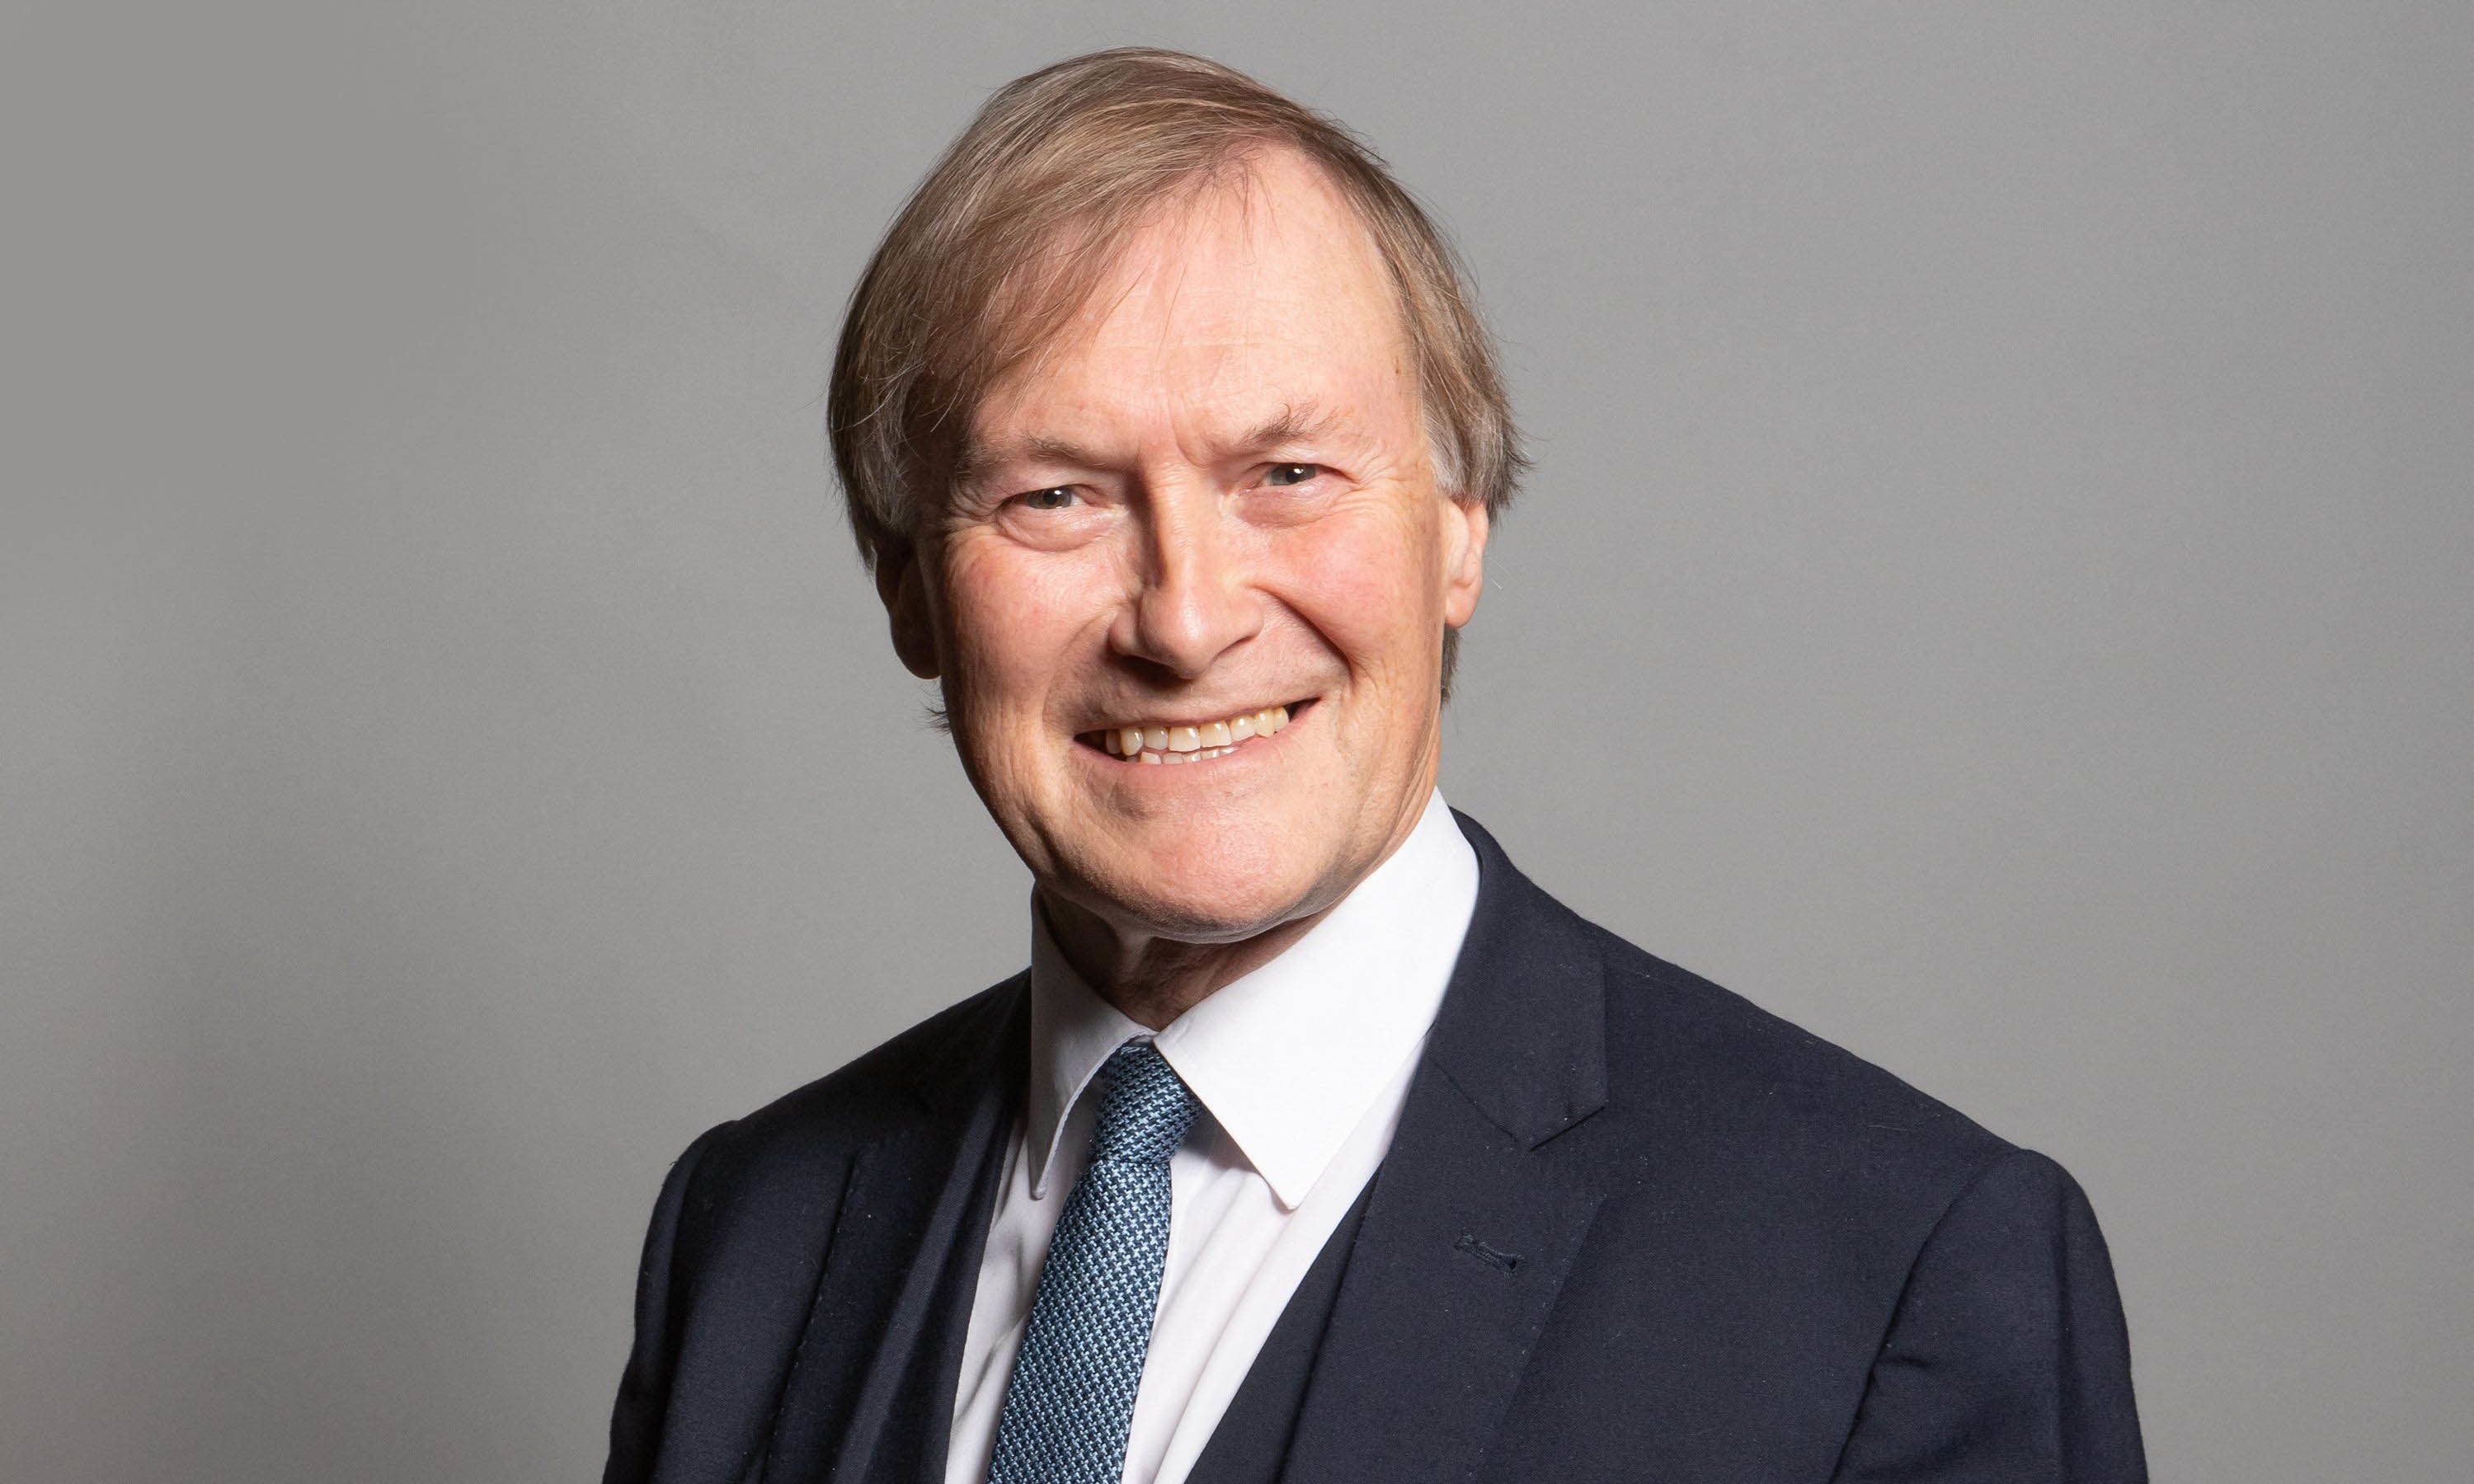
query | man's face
(1210,496)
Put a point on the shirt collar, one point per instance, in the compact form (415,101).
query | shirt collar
(1290,1057)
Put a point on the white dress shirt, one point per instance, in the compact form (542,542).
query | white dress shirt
(1301,1067)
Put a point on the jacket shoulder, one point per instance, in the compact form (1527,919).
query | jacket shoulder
(1693,1068)
(1688,1027)
(1742,1148)
(1681,1042)
(877,1092)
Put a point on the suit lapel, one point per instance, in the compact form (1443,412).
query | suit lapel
(1469,1229)
(904,1259)
(1251,1445)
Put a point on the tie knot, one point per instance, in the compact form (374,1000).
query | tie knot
(1144,1108)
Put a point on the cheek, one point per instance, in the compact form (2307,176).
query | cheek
(1371,586)
(1012,622)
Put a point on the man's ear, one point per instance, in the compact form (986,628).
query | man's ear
(903,584)
(1466,525)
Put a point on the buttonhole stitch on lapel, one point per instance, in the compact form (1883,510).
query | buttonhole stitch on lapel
(1500,1261)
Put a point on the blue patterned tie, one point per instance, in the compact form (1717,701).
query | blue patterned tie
(1072,1400)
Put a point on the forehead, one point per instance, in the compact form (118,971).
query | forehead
(1255,290)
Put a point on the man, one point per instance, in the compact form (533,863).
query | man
(1316,1143)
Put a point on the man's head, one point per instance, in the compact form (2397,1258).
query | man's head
(1162,406)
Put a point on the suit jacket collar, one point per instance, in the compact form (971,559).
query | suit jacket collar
(1522,1030)
(983,1054)
(900,1267)
(1289,1058)
(1468,1228)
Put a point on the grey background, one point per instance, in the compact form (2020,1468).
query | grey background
(1998,589)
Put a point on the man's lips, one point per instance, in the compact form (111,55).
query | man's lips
(1196,741)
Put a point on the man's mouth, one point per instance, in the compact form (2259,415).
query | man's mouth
(1190,742)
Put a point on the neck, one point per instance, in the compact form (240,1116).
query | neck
(1151,979)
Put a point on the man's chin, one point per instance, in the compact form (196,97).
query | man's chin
(1201,911)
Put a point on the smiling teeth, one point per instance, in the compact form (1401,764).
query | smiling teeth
(1192,744)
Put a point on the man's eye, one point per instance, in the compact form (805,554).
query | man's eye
(1058,498)
(1291,473)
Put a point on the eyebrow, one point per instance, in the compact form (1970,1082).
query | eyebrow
(1296,422)
(976,458)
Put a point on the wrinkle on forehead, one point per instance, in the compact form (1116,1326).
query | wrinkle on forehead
(1244,230)
(1230,216)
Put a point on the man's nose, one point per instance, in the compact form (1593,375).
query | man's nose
(1195,599)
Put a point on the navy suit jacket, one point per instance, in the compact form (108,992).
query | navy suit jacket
(1631,1228)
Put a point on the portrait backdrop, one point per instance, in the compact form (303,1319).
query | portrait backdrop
(1997,588)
